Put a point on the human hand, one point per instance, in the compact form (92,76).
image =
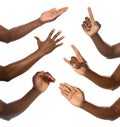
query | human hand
(90,26)
(78,63)
(41,81)
(73,94)
(52,14)
(50,43)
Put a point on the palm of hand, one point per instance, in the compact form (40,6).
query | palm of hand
(76,98)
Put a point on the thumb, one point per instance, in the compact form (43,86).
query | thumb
(38,40)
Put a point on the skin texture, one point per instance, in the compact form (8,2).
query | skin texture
(108,82)
(41,81)
(44,47)
(91,28)
(9,35)
(76,96)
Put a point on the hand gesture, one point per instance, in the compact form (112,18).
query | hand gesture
(52,14)
(41,80)
(90,26)
(50,43)
(73,94)
(78,63)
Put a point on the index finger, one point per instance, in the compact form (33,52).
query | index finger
(75,50)
(90,14)
(79,56)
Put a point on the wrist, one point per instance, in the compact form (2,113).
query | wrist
(83,104)
(87,73)
(35,90)
(40,22)
(94,35)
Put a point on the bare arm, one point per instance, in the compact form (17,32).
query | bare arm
(112,82)
(80,66)
(44,47)
(8,35)
(76,97)
(91,28)
(15,108)
(108,113)
(109,51)
(41,81)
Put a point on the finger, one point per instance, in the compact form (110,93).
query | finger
(91,14)
(53,9)
(59,39)
(51,33)
(67,61)
(65,95)
(73,60)
(59,45)
(68,87)
(85,27)
(64,90)
(79,56)
(38,40)
(62,10)
(56,35)
(87,22)
(39,73)
(49,77)
(76,50)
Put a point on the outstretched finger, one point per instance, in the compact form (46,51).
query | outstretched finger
(59,39)
(51,33)
(91,14)
(38,40)
(79,56)
(62,10)
(67,61)
(76,51)
(57,34)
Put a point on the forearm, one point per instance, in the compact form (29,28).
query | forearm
(15,69)
(105,49)
(102,81)
(15,108)
(20,31)
(106,113)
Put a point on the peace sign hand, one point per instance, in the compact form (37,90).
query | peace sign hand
(90,26)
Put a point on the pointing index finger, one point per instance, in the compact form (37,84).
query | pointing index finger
(90,14)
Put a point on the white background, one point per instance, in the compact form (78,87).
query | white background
(51,109)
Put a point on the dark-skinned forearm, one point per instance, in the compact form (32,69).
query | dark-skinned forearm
(13,109)
(101,81)
(105,49)
(20,31)
(15,69)
(106,113)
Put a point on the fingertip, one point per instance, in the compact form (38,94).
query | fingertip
(35,37)
(89,8)
(53,30)
(64,59)
(73,46)
(66,8)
